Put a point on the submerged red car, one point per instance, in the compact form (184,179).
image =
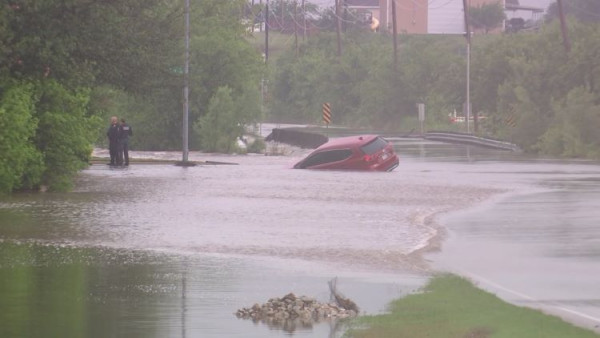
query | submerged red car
(363,152)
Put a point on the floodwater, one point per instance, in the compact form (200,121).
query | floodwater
(165,251)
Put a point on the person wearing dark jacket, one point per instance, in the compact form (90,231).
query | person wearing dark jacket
(113,140)
(124,134)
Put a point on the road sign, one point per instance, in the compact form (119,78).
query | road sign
(327,113)
(511,119)
(421,107)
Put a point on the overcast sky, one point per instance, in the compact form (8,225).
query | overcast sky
(532,3)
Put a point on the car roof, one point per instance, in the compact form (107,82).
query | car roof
(347,142)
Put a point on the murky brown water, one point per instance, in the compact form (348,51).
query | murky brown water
(158,250)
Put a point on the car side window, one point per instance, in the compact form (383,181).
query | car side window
(327,157)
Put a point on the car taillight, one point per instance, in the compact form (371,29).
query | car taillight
(367,158)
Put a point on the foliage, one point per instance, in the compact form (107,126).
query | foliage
(583,10)
(219,129)
(223,58)
(527,79)
(574,131)
(20,162)
(362,86)
(524,84)
(85,60)
(65,134)
(451,306)
(487,16)
(46,135)
(257,146)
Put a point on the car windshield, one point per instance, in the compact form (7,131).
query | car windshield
(374,146)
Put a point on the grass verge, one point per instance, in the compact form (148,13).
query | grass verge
(451,306)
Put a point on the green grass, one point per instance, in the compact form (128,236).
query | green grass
(450,306)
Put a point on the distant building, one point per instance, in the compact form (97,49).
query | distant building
(443,16)
(366,11)
(519,17)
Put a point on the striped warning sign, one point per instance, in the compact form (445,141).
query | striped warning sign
(511,120)
(327,113)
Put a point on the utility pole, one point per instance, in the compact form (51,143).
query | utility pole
(267,31)
(395,33)
(303,21)
(263,16)
(296,25)
(186,90)
(339,28)
(282,5)
(468,89)
(344,16)
(563,26)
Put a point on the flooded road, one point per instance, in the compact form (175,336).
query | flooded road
(165,251)
(540,250)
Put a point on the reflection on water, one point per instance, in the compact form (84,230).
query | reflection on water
(100,292)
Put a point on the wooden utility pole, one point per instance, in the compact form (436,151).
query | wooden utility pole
(303,21)
(282,23)
(267,31)
(263,14)
(296,25)
(339,28)
(395,33)
(563,26)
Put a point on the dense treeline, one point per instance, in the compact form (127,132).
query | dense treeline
(529,88)
(66,66)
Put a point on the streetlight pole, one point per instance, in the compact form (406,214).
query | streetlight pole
(468,89)
(186,84)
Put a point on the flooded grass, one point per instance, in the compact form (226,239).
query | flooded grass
(451,306)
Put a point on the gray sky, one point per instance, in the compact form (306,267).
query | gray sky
(532,3)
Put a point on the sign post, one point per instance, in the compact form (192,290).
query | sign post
(421,107)
(327,113)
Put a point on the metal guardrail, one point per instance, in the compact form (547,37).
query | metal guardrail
(471,139)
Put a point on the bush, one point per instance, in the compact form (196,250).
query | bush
(65,134)
(21,163)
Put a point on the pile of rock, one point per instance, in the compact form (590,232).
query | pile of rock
(292,307)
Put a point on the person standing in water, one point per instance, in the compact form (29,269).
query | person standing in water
(113,140)
(125,132)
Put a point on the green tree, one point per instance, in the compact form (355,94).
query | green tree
(21,163)
(487,16)
(574,131)
(584,10)
(65,134)
(219,128)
